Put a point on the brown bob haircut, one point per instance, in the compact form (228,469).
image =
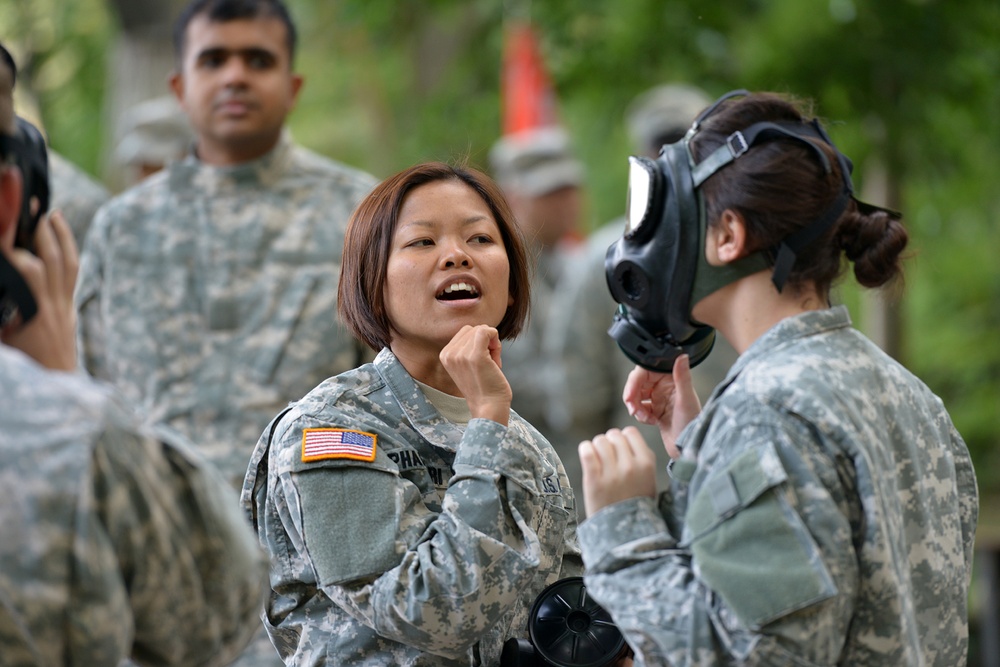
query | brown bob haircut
(368,242)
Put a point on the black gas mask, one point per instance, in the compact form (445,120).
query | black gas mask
(657,270)
(26,150)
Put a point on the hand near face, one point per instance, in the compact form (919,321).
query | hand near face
(472,359)
(616,466)
(666,400)
(50,337)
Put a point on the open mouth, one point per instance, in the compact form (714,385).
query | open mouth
(458,292)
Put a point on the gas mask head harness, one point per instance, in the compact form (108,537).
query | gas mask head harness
(657,270)
(26,150)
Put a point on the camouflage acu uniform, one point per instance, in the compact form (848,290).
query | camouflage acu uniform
(823,512)
(431,553)
(208,294)
(114,544)
(76,194)
(588,368)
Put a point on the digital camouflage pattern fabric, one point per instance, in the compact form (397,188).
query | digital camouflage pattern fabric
(76,194)
(115,544)
(822,512)
(208,294)
(431,553)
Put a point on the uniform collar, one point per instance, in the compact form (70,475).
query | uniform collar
(789,329)
(263,172)
(419,411)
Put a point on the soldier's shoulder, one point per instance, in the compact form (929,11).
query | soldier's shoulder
(48,407)
(349,386)
(144,196)
(69,180)
(311,163)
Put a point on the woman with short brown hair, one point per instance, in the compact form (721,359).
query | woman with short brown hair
(411,517)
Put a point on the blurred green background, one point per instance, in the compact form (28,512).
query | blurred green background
(910,90)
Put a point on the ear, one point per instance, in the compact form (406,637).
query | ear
(727,238)
(10,205)
(176,82)
(294,87)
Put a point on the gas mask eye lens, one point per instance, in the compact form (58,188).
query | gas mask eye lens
(640,194)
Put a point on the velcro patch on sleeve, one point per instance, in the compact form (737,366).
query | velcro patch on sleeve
(321,444)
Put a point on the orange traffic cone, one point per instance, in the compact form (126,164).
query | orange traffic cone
(528,98)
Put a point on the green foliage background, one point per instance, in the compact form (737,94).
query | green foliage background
(912,84)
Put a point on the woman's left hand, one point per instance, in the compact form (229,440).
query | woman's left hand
(616,466)
(472,359)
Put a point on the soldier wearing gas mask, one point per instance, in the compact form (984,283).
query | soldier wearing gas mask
(116,544)
(822,505)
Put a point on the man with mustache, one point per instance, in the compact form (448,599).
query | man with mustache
(208,292)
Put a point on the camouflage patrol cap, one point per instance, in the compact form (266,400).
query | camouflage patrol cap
(661,111)
(156,131)
(535,162)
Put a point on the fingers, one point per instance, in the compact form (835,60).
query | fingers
(686,404)
(472,359)
(48,250)
(68,249)
(617,465)
(471,346)
(648,395)
(637,446)
(495,347)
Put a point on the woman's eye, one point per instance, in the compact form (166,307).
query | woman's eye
(482,238)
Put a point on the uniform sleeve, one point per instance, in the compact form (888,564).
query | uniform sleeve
(193,571)
(432,578)
(90,331)
(757,578)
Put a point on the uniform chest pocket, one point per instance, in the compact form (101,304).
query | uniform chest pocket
(750,546)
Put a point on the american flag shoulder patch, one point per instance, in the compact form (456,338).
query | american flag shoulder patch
(319,444)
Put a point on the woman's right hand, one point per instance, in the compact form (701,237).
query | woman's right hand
(472,359)
(666,400)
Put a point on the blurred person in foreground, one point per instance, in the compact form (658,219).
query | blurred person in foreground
(543,181)
(822,506)
(411,516)
(117,543)
(588,369)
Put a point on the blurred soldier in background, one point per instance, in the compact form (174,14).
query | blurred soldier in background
(155,132)
(588,370)
(116,544)
(542,180)
(208,292)
(75,194)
